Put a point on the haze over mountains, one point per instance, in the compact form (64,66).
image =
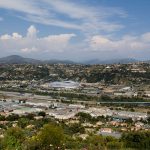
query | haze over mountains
(16,59)
(111,61)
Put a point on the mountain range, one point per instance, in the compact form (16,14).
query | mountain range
(16,59)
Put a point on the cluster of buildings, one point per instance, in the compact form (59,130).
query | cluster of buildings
(75,82)
(68,113)
(64,111)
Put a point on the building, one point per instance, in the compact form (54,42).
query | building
(64,85)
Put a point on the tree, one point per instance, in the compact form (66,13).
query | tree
(12,117)
(49,137)
(42,113)
(13,139)
(2,118)
(77,128)
(95,142)
(30,116)
(137,140)
(23,122)
(114,145)
(73,143)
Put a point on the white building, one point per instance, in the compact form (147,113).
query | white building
(64,84)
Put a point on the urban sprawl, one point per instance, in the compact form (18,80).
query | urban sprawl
(85,100)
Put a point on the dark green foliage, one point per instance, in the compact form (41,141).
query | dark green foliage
(12,117)
(76,128)
(95,142)
(138,140)
(49,134)
(49,137)
(84,117)
(42,113)
(23,122)
(30,116)
(13,139)
(2,118)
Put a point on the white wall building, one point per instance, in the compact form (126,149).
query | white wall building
(64,84)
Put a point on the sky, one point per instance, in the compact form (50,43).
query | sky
(76,30)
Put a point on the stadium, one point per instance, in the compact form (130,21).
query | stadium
(65,84)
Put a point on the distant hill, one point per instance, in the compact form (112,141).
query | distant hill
(111,61)
(16,59)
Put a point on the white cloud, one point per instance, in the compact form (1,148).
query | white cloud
(16,36)
(146,37)
(51,21)
(5,37)
(78,16)
(93,22)
(60,45)
(29,7)
(71,9)
(29,50)
(90,18)
(31,43)
(32,32)
(78,11)
(126,43)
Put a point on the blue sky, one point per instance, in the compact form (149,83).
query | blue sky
(75,29)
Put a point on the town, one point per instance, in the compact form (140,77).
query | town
(106,100)
(74,75)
